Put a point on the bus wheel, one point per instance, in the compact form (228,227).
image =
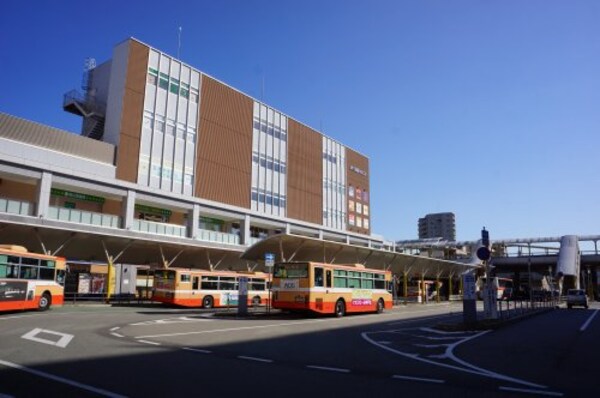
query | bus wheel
(340,308)
(380,306)
(256,301)
(208,302)
(45,302)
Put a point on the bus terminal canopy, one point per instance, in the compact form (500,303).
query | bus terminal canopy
(302,248)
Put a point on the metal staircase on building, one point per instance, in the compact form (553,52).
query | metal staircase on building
(93,113)
(85,105)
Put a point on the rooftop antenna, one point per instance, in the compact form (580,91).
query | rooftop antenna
(179,41)
(262,89)
(88,65)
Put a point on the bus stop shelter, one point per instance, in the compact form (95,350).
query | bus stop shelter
(406,268)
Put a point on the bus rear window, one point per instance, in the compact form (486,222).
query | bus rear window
(164,274)
(289,270)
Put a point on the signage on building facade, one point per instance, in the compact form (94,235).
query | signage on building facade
(358,170)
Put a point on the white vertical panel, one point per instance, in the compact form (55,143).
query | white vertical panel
(269,147)
(150,97)
(171,106)
(175,68)
(153,60)
(255,137)
(282,186)
(185,74)
(182,110)
(165,64)
(192,114)
(161,102)
(254,175)
(195,80)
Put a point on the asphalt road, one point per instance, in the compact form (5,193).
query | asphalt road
(156,351)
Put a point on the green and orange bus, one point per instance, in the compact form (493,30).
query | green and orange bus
(330,288)
(30,280)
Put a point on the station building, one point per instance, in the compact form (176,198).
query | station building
(170,154)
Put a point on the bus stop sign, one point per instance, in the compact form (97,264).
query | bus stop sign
(269,260)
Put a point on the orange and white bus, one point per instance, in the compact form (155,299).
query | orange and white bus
(203,288)
(29,280)
(330,288)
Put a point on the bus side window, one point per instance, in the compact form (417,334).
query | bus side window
(328,278)
(196,283)
(318,277)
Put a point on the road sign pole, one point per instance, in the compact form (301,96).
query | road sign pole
(269,263)
(469,300)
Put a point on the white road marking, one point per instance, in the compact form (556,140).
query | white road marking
(255,359)
(62,380)
(437,337)
(471,368)
(234,329)
(117,334)
(197,350)
(431,345)
(168,321)
(149,342)
(275,325)
(589,320)
(432,330)
(536,392)
(418,379)
(64,340)
(340,370)
(115,328)
(385,342)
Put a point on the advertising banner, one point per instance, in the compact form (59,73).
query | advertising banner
(13,290)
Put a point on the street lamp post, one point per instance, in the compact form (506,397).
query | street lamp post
(529,276)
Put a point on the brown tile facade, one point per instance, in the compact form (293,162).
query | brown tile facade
(304,174)
(224,157)
(128,151)
(359,194)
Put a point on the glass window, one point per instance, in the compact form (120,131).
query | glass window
(8,271)
(28,272)
(196,283)
(151,79)
(340,281)
(162,83)
(47,274)
(185,278)
(354,283)
(367,284)
(351,191)
(257,284)
(30,261)
(291,270)
(209,282)
(318,277)
(227,283)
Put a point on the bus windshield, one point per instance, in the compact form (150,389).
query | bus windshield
(291,270)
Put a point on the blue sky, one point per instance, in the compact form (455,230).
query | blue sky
(487,109)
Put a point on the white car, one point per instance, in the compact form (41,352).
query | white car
(576,297)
